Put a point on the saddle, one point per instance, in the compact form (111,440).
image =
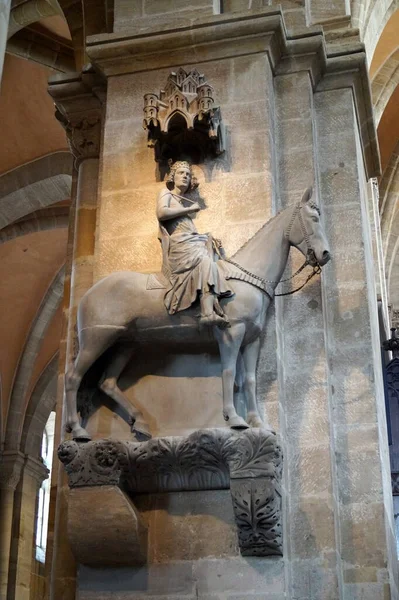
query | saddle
(157,281)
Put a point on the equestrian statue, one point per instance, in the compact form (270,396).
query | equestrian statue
(200,300)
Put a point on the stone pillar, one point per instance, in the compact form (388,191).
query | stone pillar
(59,433)
(5,6)
(361,482)
(25,503)
(10,471)
(79,105)
(309,526)
(378,252)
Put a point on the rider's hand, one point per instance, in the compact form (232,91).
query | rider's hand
(195,207)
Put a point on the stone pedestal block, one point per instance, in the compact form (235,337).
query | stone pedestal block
(248,462)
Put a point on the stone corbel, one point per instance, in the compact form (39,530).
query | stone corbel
(79,102)
(11,463)
(36,469)
(248,462)
(94,472)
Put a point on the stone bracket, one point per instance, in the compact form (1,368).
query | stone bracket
(247,462)
(104,528)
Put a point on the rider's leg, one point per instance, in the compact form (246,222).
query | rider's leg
(208,314)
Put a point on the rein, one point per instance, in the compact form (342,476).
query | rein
(316,267)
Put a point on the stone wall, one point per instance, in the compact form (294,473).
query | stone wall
(295,116)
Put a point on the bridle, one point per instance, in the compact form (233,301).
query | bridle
(310,260)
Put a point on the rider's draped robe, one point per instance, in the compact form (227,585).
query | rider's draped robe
(192,267)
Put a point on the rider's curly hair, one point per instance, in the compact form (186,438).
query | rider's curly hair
(170,180)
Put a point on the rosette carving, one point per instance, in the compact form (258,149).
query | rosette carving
(92,464)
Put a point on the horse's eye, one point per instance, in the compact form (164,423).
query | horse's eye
(315,219)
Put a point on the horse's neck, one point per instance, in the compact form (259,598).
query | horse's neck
(266,253)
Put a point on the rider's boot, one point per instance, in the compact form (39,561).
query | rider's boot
(208,315)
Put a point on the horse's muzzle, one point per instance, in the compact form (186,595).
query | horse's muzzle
(314,261)
(325,258)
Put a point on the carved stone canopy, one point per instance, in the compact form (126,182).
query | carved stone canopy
(183,121)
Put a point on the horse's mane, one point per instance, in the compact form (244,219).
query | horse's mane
(269,222)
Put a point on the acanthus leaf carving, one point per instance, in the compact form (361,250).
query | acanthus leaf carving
(257,506)
(83,135)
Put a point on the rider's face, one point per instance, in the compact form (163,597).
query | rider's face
(182,178)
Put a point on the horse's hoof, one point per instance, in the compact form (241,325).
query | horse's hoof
(80,435)
(237,423)
(254,420)
(141,430)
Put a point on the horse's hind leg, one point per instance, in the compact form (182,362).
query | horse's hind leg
(92,343)
(73,378)
(109,385)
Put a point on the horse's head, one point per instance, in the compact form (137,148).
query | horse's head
(306,233)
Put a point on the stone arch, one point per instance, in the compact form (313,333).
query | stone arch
(41,403)
(371,16)
(44,316)
(29,12)
(179,114)
(35,185)
(389,209)
(384,84)
(73,13)
(42,220)
(43,49)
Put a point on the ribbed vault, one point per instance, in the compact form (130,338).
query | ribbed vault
(35,185)
(45,314)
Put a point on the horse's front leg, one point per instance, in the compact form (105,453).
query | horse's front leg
(250,357)
(229,341)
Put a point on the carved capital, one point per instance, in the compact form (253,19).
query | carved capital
(11,464)
(83,135)
(79,102)
(36,469)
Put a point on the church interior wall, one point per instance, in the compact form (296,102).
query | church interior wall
(281,134)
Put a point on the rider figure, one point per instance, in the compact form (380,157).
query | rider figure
(189,257)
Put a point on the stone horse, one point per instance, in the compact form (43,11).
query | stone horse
(120,313)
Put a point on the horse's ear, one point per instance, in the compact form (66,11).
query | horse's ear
(307,195)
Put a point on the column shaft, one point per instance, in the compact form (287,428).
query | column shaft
(309,499)
(364,517)
(63,569)
(24,518)
(10,472)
